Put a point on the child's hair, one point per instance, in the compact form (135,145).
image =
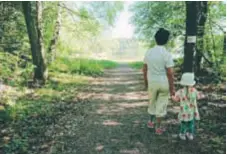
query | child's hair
(162,36)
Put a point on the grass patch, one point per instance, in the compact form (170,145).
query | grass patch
(136,65)
(106,64)
(27,122)
(81,66)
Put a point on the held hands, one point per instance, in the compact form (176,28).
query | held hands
(175,98)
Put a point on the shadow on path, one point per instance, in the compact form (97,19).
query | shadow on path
(112,119)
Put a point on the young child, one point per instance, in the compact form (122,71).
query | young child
(187,97)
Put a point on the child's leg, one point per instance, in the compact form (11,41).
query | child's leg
(152,94)
(191,126)
(183,127)
(159,120)
(152,118)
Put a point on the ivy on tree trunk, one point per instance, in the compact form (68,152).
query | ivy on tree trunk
(53,42)
(202,16)
(34,28)
(224,46)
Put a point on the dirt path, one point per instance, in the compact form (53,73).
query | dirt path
(111,119)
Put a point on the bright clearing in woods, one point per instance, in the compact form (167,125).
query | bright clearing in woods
(71,79)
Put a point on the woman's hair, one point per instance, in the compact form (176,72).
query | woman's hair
(162,36)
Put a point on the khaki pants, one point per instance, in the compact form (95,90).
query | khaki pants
(158,94)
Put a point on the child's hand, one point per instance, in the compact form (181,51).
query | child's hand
(200,96)
(175,99)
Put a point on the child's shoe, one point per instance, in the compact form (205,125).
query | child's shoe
(150,124)
(190,136)
(160,131)
(182,136)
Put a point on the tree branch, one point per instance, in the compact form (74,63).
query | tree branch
(206,59)
(72,11)
(219,26)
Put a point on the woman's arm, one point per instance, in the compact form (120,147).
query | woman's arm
(145,75)
(177,96)
(170,76)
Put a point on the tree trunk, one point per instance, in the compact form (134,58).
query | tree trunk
(202,16)
(36,41)
(224,46)
(53,42)
(191,31)
(2,24)
(213,52)
(41,73)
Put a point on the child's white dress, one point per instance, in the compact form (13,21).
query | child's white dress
(188,104)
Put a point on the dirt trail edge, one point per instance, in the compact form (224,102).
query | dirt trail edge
(110,118)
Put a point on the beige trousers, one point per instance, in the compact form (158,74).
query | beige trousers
(158,94)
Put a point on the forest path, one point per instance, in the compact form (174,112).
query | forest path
(111,119)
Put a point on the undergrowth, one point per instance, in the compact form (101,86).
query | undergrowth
(28,112)
(136,65)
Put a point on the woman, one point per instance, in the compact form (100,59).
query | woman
(158,76)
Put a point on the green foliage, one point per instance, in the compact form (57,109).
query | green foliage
(179,62)
(106,11)
(26,108)
(49,20)
(30,114)
(27,73)
(148,17)
(136,65)
(222,70)
(15,71)
(12,27)
(217,9)
(7,66)
(106,64)
(17,144)
(81,66)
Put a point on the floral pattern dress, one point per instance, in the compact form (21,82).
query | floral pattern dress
(188,104)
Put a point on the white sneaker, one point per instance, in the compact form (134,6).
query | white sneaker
(189,136)
(182,136)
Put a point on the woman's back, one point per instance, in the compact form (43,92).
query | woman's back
(157,60)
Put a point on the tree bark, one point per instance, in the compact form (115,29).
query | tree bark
(224,46)
(202,16)
(213,52)
(41,73)
(191,31)
(2,24)
(34,29)
(53,42)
